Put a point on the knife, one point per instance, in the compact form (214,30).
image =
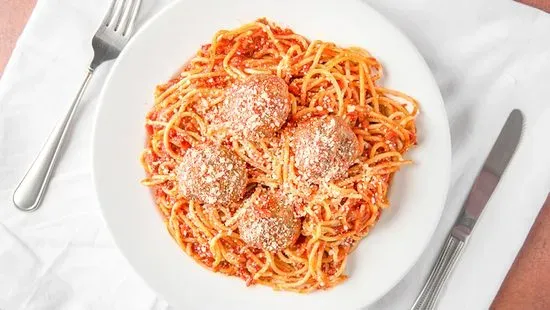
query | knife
(482,189)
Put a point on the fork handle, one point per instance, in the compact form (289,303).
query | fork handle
(30,191)
(449,254)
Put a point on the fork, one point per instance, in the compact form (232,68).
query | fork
(108,41)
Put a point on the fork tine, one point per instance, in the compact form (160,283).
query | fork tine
(132,20)
(124,17)
(109,14)
(115,19)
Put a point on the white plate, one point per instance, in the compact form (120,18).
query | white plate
(163,46)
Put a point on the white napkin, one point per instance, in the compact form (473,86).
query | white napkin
(487,56)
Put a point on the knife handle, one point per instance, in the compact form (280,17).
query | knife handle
(449,254)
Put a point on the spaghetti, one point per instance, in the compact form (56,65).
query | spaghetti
(329,215)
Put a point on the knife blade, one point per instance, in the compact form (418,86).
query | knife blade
(483,187)
(487,180)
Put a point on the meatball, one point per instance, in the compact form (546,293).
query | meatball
(268,221)
(256,107)
(212,174)
(324,149)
